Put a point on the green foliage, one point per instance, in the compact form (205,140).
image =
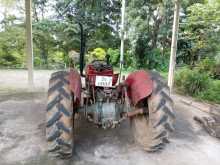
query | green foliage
(212,93)
(206,65)
(57,57)
(148,33)
(43,39)
(148,29)
(129,59)
(199,33)
(114,56)
(57,60)
(191,81)
(130,62)
(96,54)
(12,47)
(105,37)
(37,62)
(209,66)
(216,70)
(157,61)
(217,58)
(98,18)
(154,60)
(198,84)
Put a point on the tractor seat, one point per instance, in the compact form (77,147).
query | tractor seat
(100,65)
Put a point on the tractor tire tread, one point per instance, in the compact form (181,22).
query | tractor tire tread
(59,126)
(158,124)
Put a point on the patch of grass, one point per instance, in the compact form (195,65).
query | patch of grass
(199,85)
(191,82)
(164,75)
(212,93)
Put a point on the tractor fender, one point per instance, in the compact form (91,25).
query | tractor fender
(75,85)
(139,86)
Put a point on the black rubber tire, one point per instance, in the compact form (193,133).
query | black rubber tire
(152,130)
(59,116)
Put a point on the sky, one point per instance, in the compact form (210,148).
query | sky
(18,7)
(12,10)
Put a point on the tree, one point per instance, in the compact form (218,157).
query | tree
(44,39)
(90,16)
(93,17)
(6,5)
(12,47)
(149,28)
(200,33)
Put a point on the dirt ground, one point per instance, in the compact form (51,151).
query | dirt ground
(22,133)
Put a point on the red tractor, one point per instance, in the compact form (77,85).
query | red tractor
(106,99)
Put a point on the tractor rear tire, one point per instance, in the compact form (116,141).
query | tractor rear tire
(59,116)
(152,130)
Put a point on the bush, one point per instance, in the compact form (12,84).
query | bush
(129,59)
(212,93)
(114,56)
(97,54)
(206,65)
(216,71)
(209,66)
(12,42)
(56,60)
(191,81)
(154,60)
(217,67)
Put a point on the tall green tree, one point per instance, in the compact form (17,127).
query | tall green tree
(12,47)
(200,32)
(149,28)
(98,19)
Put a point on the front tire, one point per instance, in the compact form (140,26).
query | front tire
(59,117)
(152,130)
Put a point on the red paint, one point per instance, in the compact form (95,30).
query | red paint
(91,74)
(139,85)
(75,85)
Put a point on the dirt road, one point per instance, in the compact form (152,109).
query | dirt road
(22,134)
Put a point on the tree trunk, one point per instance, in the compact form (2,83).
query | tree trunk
(44,55)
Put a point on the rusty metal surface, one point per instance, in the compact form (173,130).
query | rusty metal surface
(139,85)
(134,112)
(75,85)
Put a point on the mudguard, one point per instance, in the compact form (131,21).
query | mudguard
(139,86)
(75,85)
